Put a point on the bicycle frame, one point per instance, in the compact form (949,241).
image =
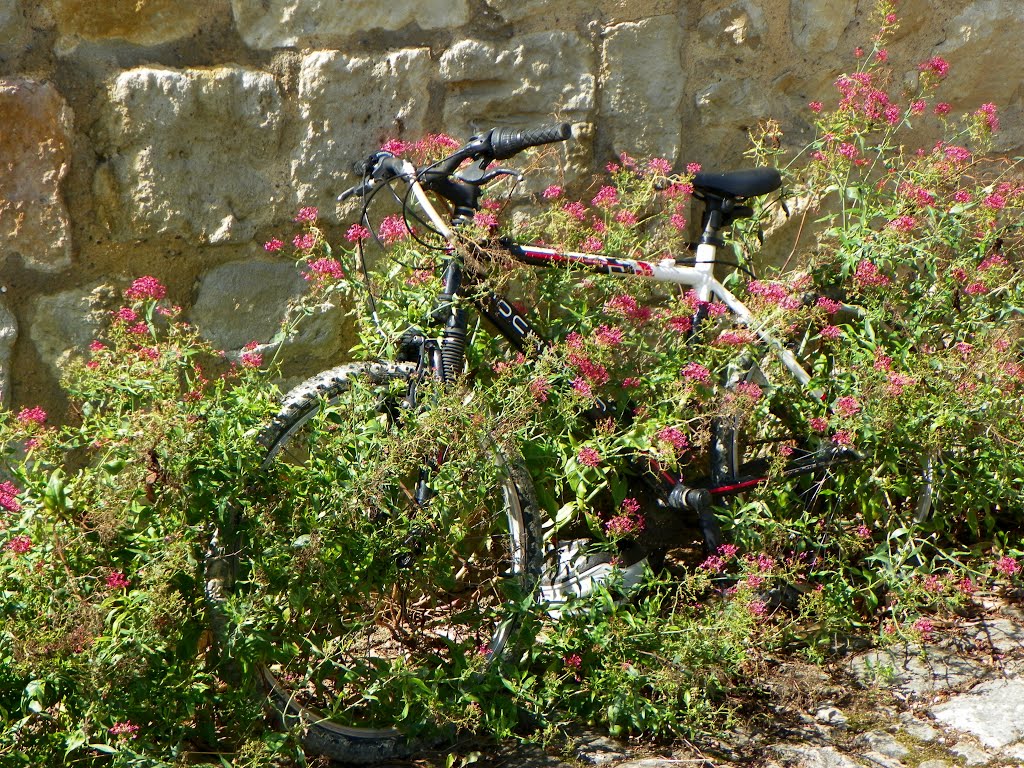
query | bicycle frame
(518,330)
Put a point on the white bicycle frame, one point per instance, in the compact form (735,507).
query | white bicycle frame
(700,276)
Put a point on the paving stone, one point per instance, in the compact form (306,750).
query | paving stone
(935,764)
(918,729)
(882,742)
(812,757)
(831,716)
(992,711)
(915,670)
(874,758)
(971,754)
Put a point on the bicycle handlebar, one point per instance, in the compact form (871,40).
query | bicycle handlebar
(495,144)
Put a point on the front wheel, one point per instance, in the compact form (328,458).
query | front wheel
(384,554)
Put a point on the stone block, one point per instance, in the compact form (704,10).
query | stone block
(325,23)
(642,86)
(992,711)
(143,22)
(35,154)
(818,25)
(189,153)
(8,335)
(982,45)
(520,82)
(348,106)
(247,301)
(63,324)
(739,24)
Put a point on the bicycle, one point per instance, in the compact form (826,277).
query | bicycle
(482,556)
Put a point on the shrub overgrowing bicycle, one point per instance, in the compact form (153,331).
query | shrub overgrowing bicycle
(504,462)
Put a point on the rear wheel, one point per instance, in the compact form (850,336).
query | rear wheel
(414,538)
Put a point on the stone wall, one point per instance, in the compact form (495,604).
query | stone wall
(173,137)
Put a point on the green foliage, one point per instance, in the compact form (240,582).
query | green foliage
(904,301)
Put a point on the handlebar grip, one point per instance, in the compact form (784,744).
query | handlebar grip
(506,142)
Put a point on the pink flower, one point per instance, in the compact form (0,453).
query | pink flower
(867,274)
(925,627)
(356,233)
(627,306)
(34,415)
(903,223)
(735,338)
(976,289)
(965,586)
(897,382)
(553,192)
(577,210)
(125,314)
(607,336)
(8,502)
(624,525)
(539,388)
(485,219)
(573,661)
(918,106)
(842,437)
(125,730)
(818,424)
(273,245)
(992,262)
(305,241)
(675,438)
(882,56)
(932,583)
(592,244)
(582,387)
(816,106)
(680,323)
(149,353)
(659,165)
(626,218)
(117,580)
(307,214)
(750,390)
(757,607)
(891,18)
(848,150)
(251,358)
(847,406)
(395,146)
(19,545)
(994,202)
(97,346)
(1008,566)
(588,457)
(728,550)
(863,532)
(829,305)
(145,287)
(987,113)
(936,65)
(606,197)
(678,222)
(713,563)
(393,229)
(696,372)
(858,52)
(943,108)
(693,168)
(139,329)
(831,332)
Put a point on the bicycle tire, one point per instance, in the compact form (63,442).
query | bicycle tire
(499,557)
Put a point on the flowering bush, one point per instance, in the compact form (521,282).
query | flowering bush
(905,299)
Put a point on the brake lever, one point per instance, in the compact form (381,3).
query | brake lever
(477,174)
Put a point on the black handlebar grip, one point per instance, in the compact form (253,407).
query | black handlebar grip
(506,142)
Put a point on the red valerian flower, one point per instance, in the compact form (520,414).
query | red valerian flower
(146,287)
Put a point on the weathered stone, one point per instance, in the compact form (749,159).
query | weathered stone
(521,82)
(818,24)
(348,107)
(599,750)
(971,754)
(918,729)
(642,86)
(741,23)
(247,301)
(144,22)
(189,153)
(12,28)
(613,11)
(910,670)
(733,103)
(812,757)
(323,23)
(983,48)
(35,152)
(883,743)
(992,711)
(935,764)
(831,716)
(8,335)
(63,324)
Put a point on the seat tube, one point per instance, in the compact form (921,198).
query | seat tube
(705,264)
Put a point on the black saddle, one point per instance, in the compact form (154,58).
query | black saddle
(748,183)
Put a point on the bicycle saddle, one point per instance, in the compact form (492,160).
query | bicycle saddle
(748,183)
